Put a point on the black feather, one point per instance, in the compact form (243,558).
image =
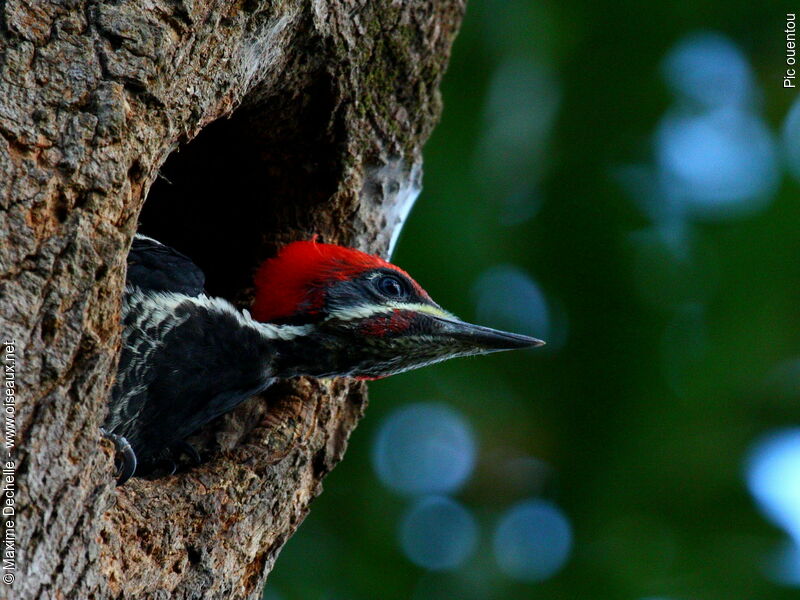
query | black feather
(186,359)
(152,266)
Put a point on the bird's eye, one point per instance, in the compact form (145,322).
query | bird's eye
(391,286)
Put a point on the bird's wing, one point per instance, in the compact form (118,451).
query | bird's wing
(185,361)
(152,266)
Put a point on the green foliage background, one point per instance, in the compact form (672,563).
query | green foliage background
(646,411)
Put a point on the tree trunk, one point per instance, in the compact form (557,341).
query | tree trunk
(292,118)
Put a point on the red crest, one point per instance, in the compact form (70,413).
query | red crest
(295,280)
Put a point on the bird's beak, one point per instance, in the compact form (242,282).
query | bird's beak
(483,339)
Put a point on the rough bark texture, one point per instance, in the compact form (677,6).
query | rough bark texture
(292,117)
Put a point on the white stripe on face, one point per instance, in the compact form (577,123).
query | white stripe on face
(364,311)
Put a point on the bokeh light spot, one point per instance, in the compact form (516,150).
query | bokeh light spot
(718,164)
(521,107)
(532,541)
(507,298)
(773,477)
(710,70)
(437,533)
(424,449)
(519,206)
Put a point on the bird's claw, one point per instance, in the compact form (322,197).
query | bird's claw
(184,447)
(169,465)
(127,465)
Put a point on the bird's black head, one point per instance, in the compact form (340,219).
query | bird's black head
(360,316)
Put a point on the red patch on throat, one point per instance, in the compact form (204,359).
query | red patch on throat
(380,325)
(296,279)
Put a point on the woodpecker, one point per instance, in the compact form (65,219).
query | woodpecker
(320,310)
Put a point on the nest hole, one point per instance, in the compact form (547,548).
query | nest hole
(247,183)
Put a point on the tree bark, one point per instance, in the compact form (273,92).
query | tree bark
(292,118)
